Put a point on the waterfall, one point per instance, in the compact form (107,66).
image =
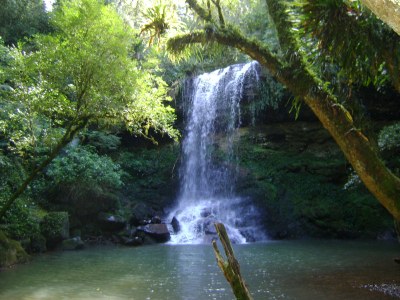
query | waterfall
(209,166)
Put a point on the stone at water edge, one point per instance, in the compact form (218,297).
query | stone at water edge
(159,232)
(175,225)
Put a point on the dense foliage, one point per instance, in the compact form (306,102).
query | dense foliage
(20,19)
(82,74)
(86,89)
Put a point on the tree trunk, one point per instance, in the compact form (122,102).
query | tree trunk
(230,268)
(386,10)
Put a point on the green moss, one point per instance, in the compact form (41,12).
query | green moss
(11,252)
(300,184)
(150,174)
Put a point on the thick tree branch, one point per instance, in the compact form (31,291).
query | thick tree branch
(231,267)
(386,10)
(228,36)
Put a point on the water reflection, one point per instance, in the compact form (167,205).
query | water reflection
(277,270)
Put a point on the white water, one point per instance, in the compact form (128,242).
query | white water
(209,163)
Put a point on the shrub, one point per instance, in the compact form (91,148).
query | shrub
(55,228)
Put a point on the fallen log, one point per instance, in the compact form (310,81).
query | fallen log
(230,268)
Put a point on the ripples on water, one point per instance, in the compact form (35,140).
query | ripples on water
(276,270)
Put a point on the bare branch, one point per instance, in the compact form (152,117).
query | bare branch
(231,267)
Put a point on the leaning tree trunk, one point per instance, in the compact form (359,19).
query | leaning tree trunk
(67,137)
(386,10)
(291,70)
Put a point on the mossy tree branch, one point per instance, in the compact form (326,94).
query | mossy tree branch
(292,70)
(204,14)
(231,267)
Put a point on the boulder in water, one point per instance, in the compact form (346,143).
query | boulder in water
(159,232)
(175,225)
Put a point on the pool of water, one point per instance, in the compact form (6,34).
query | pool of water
(274,270)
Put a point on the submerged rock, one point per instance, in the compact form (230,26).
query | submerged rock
(159,232)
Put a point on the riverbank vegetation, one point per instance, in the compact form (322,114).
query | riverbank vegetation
(91,114)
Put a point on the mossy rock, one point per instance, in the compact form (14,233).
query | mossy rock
(11,252)
(298,180)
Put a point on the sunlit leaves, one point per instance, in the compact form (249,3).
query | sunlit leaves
(83,71)
(157,22)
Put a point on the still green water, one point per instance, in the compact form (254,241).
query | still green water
(275,270)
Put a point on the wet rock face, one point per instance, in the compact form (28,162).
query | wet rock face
(143,214)
(297,175)
(159,232)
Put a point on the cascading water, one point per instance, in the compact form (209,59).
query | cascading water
(209,163)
